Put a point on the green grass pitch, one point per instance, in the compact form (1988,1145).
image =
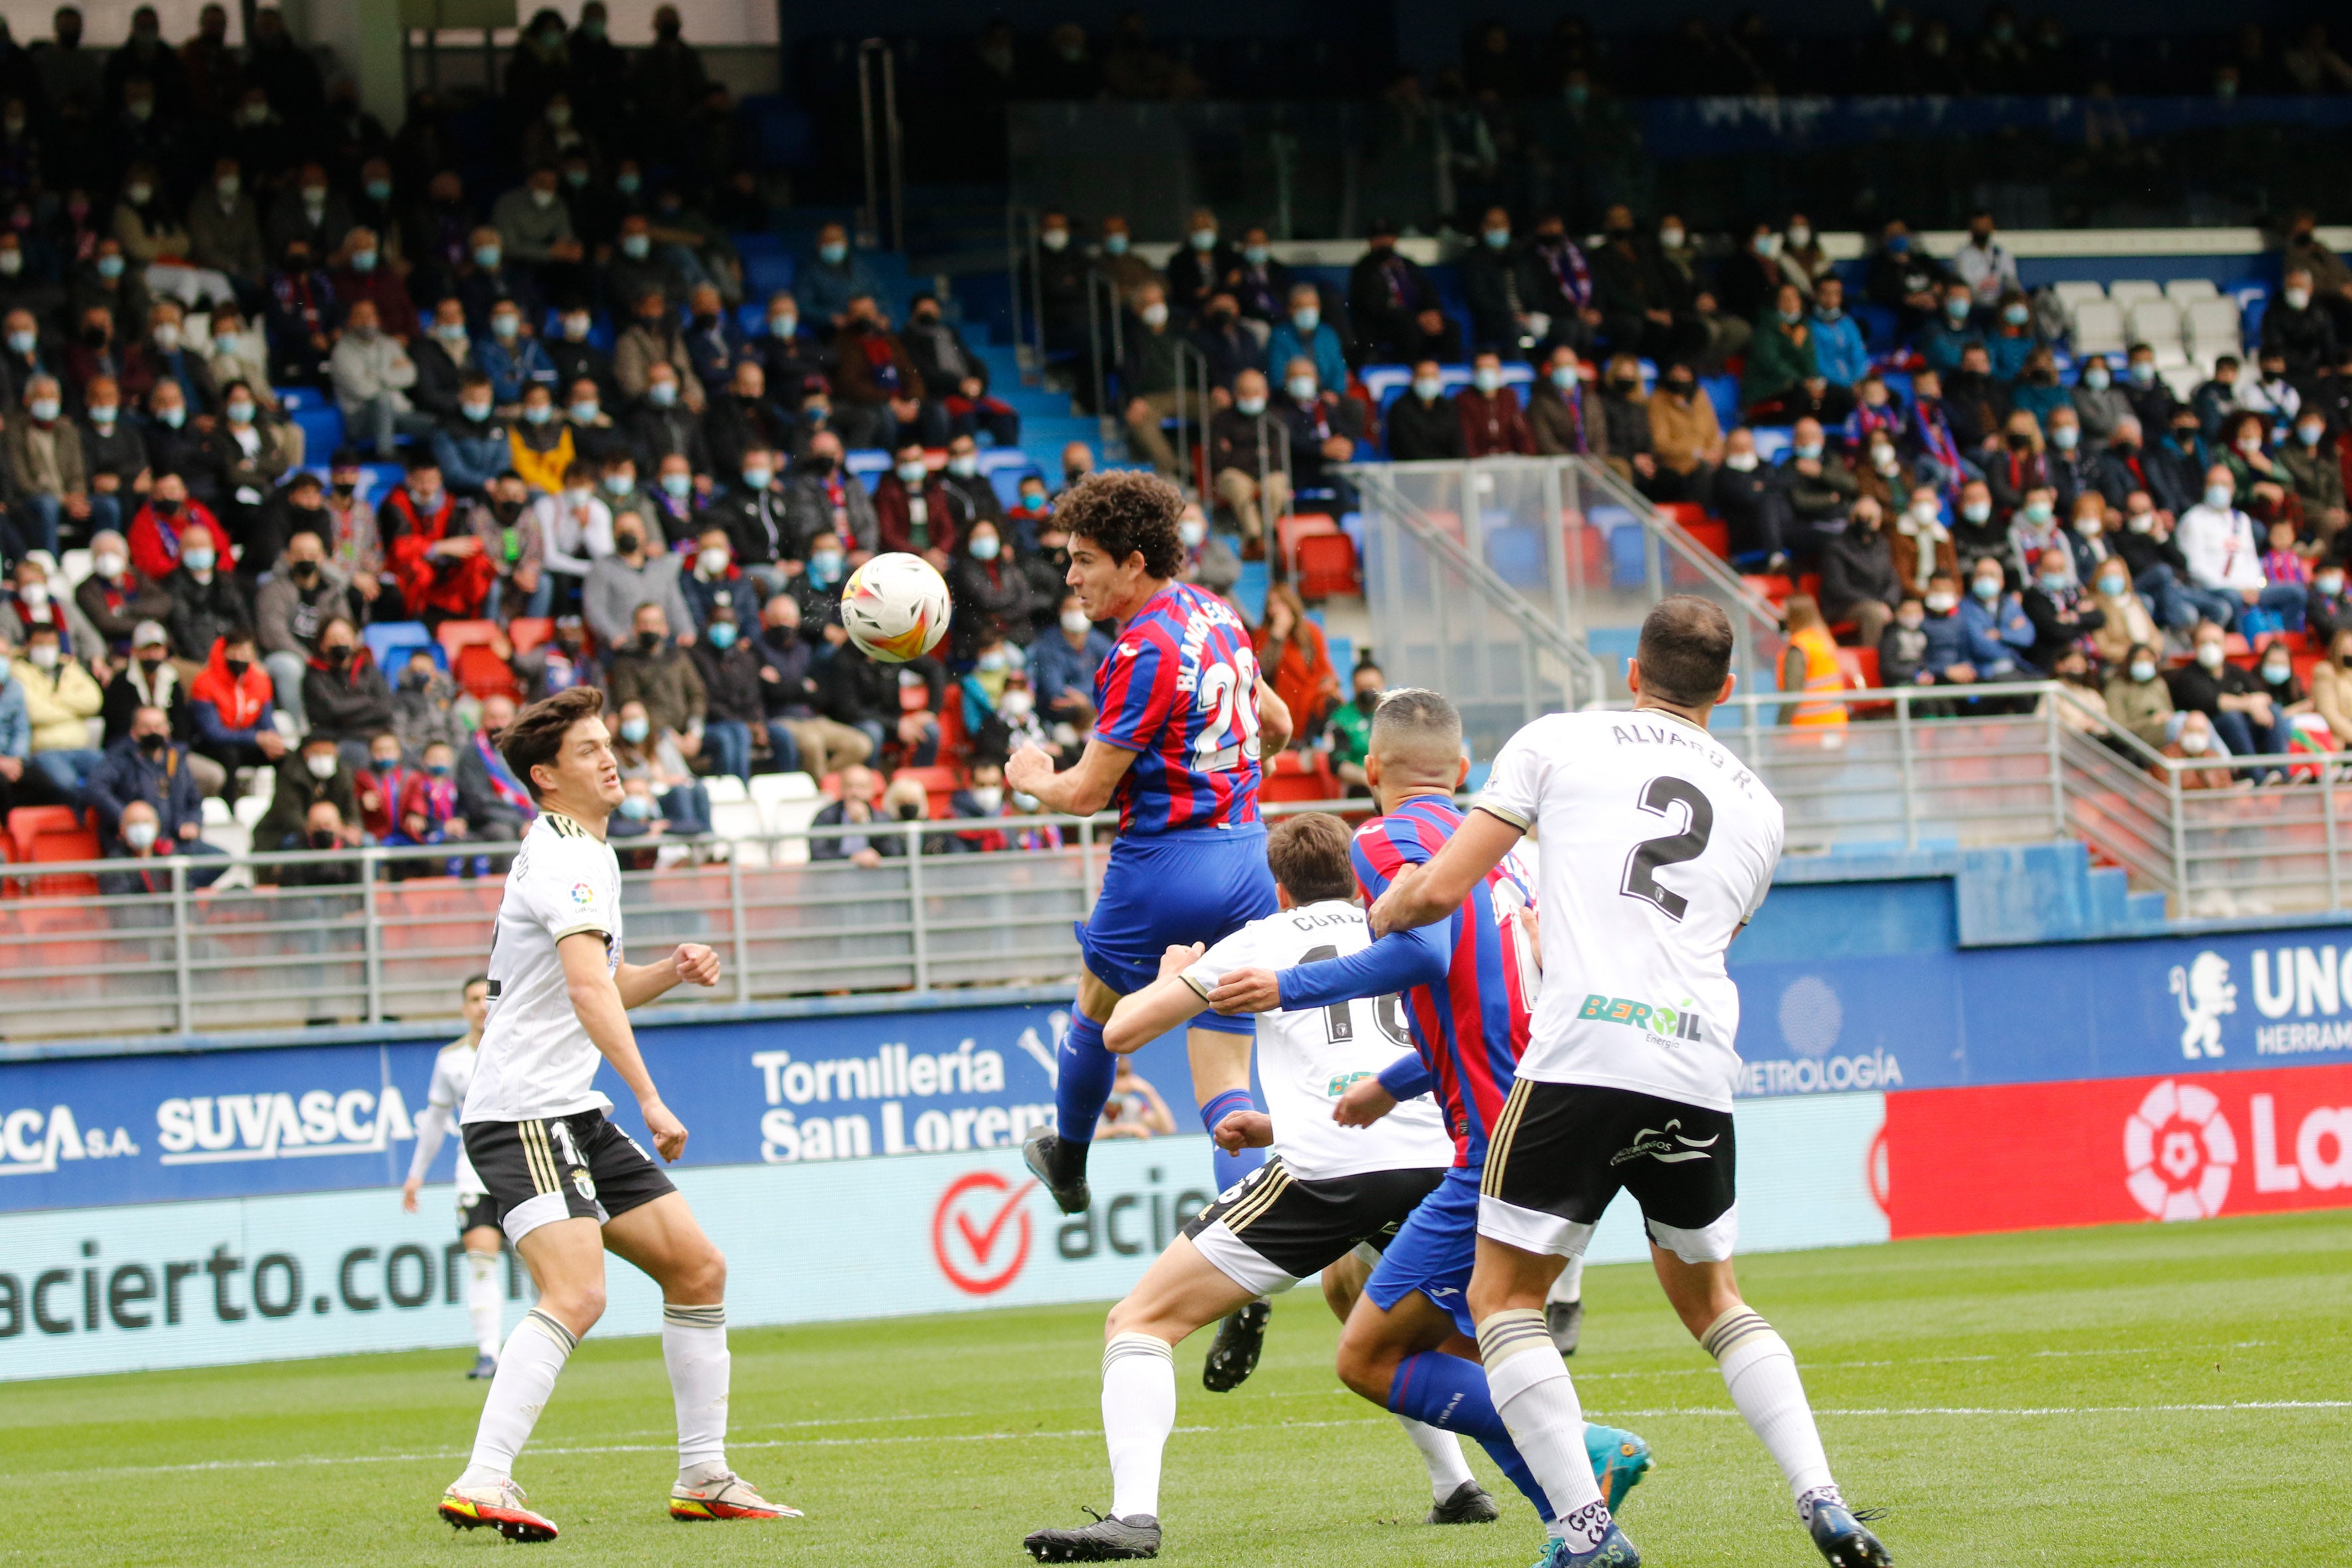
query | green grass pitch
(2146,1395)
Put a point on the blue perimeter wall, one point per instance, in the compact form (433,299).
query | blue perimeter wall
(1863,972)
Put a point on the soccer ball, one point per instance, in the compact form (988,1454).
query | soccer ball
(894,607)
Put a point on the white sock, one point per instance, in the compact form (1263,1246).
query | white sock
(1441,1452)
(534,1354)
(1138,1410)
(1538,1402)
(485,1301)
(1570,1286)
(693,1349)
(1761,1373)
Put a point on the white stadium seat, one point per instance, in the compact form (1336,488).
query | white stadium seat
(251,808)
(2184,379)
(2098,329)
(2186,291)
(2074,293)
(734,818)
(2156,323)
(229,837)
(2214,330)
(725,789)
(2125,292)
(787,817)
(75,565)
(767,789)
(217,812)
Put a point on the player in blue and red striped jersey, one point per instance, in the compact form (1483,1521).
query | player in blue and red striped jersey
(1180,714)
(1468,984)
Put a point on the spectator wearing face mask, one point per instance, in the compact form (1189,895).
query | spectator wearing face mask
(358,269)
(445,361)
(1349,734)
(2034,528)
(1296,660)
(2138,701)
(1324,428)
(2261,485)
(1903,646)
(372,374)
(1388,292)
(1199,266)
(1946,653)
(1492,423)
(46,471)
(817,590)
(1148,378)
(224,228)
(1565,421)
(442,570)
(60,696)
(2219,543)
(2000,631)
(733,708)
(652,338)
(207,599)
(291,612)
(990,594)
(513,358)
(488,278)
(794,363)
(2312,465)
(821,497)
(741,415)
(800,739)
(1423,424)
(1859,582)
(1782,354)
(2327,609)
(2098,404)
(2331,683)
(622,584)
(144,851)
(348,526)
(2232,699)
(148,767)
(1302,333)
(1943,339)
(381,785)
(148,678)
(231,706)
(880,398)
(1748,494)
(663,424)
(1685,438)
(474,445)
(345,698)
(2073,471)
(538,442)
(2299,330)
(829,280)
(2152,402)
(308,778)
(957,376)
(913,511)
(1984,264)
(1062,666)
(1920,544)
(2062,615)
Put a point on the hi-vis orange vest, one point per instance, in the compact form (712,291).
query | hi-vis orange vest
(1823,675)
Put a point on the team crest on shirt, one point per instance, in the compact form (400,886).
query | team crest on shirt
(586,1183)
(582,895)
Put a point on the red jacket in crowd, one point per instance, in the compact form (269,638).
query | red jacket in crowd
(156,542)
(454,585)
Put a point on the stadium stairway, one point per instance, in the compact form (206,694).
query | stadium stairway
(2002,896)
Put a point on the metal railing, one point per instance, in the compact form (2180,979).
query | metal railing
(1105,329)
(1022,250)
(882,141)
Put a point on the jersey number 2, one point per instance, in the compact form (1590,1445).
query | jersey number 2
(1658,798)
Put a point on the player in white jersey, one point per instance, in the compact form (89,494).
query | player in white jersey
(565,1182)
(478,1218)
(1326,1190)
(1658,844)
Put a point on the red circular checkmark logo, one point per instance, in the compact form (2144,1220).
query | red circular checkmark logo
(981,1236)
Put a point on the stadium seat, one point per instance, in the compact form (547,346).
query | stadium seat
(2186,291)
(2074,293)
(455,636)
(725,789)
(1297,775)
(1326,564)
(2213,331)
(939,783)
(768,789)
(389,643)
(481,670)
(45,833)
(2125,292)
(787,819)
(736,819)
(249,809)
(527,632)
(75,565)
(2156,323)
(2098,329)
(216,813)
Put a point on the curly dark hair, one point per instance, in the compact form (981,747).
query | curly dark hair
(1127,512)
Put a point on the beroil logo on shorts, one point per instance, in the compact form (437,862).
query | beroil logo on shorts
(1679,1023)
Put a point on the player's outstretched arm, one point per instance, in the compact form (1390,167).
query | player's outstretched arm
(1274,721)
(597,1002)
(1166,1003)
(1079,791)
(1395,962)
(1423,896)
(691,964)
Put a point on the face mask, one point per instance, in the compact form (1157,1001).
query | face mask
(1942,604)
(722,634)
(636,246)
(985,546)
(1307,320)
(451,332)
(2064,437)
(784,326)
(2140,521)
(139,192)
(2096,378)
(140,836)
(1808,450)
(1250,406)
(2037,512)
(1018,705)
(1114,245)
(1958,309)
(1682,389)
(1986,588)
(1054,239)
(832,253)
(2296,298)
(1075,622)
(320,763)
(824,566)
(21,343)
(167,336)
(2309,435)
(2143,670)
(637,807)
(109,266)
(477,412)
(2330,583)
(910,473)
(487,257)
(1741,462)
(196,560)
(504,326)
(1768,246)
(2090,527)
(1155,314)
(2194,741)
(1672,239)
(1204,239)
(379,190)
(2276,671)
(965,465)
(2054,581)
(663,393)
(988,797)
(625,543)
(1800,236)
(676,485)
(1487,379)
(2016,315)
(1977,511)
(1427,387)
(1301,388)
(2209,654)
(538,413)
(2219,497)
(2142,372)
(45,409)
(1910,623)
(1884,459)
(586,414)
(240,412)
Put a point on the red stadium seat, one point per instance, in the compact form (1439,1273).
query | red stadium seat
(1326,564)
(47,834)
(1299,775)
(1715,538)
(527,632)
(455,635)
(481,671)
(939,785)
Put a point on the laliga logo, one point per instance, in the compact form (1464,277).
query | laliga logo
(968,1239)
(2179,1152)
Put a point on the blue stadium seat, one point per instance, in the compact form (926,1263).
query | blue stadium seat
(390,642)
